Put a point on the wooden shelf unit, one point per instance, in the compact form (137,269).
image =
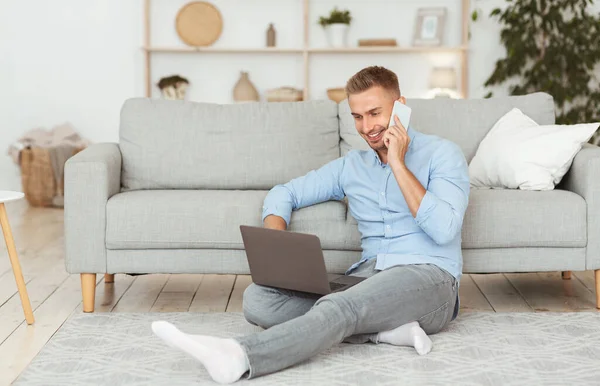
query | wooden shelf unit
(306,51)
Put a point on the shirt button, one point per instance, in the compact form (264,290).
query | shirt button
(383,193)
(388,227)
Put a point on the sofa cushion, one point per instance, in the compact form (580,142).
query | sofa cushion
(202,219)
(210,219)
(502,218)
(168,144)
(463,121)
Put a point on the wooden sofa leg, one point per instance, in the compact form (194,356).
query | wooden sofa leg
(597,274)
(109,277)
(88,289)
(566,275)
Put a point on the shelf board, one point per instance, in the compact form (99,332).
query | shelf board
(365,49)
(224,50)
(321,50)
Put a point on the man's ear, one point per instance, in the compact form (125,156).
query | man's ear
(402,100)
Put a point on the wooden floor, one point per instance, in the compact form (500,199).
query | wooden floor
(55,294)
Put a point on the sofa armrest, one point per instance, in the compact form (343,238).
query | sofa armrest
(92,176)
(583,178)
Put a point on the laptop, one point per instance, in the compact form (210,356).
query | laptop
(290,260)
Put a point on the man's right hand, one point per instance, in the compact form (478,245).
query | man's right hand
(274,222)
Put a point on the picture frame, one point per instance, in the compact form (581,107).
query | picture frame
(429,26)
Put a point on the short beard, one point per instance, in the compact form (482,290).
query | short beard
(382,146)
(379,148)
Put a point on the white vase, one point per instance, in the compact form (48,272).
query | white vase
(337,34)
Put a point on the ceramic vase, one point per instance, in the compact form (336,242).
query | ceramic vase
(271,36)
(244,90)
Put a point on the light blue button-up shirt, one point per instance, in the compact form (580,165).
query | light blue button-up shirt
(389,232)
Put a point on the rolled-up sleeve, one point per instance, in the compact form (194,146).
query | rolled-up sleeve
(443,207)
(314,187)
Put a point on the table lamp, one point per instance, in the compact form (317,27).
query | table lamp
(443,80)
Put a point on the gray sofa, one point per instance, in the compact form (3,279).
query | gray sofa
(170,195)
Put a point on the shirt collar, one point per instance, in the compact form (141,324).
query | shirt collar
(411,134)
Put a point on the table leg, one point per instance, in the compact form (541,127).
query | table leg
(14,261)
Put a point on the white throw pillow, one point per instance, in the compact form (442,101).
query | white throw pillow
(517,153)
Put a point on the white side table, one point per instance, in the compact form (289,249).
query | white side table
(6,196)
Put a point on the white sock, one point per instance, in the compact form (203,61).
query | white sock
(409,334)
(224,359)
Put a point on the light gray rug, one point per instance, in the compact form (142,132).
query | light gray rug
(476,349)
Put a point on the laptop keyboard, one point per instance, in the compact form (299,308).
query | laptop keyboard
(335,286)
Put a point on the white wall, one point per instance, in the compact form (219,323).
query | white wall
(77,61)
(65,60)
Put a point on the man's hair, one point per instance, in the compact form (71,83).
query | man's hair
(373,76)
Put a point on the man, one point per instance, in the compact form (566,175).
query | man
(409,194)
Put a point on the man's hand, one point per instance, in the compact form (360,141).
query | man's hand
(275,222)
(396,139)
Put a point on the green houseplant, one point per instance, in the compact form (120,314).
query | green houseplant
(336,26)
(551,46)
(336,16)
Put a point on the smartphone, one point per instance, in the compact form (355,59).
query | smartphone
(403,112)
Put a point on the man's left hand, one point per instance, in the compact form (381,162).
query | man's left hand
(396,139)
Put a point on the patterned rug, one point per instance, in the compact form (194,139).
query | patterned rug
(476,349)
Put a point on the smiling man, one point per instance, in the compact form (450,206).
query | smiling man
(409,194)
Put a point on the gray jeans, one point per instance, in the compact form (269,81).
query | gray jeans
(299,325)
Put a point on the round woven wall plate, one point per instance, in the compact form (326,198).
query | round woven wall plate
(199,23)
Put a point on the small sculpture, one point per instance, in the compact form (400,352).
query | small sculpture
(173,87)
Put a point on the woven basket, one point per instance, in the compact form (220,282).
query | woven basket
(37,177)
(284,94)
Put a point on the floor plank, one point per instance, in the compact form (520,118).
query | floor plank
(44,275)
(183,283)
(38,229)
(8,286)
(471,298)
(213,294)
(547,291)
(142,294)
(33,267)
(39,289)
(177,294)
(500,293)
(586,278)
(32,238)
(235,301)
(108,294)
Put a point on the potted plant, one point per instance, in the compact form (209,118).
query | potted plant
(336,27)
(551,46)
